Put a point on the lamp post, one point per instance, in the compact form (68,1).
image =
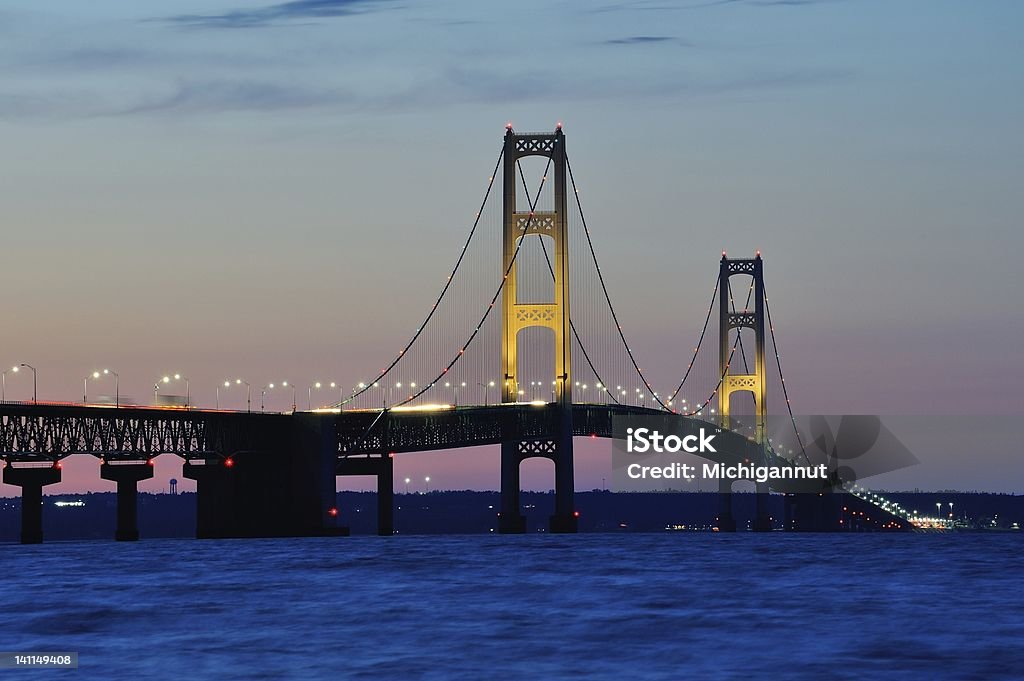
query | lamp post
(248,393)
(309,394)
(15,369)
(489,384)
(177,377)
(263,395)
(117,385)
(426,482)
(271,386)
(35,395)
(407,481)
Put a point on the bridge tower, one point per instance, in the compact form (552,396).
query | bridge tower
(516,316)
(734,381)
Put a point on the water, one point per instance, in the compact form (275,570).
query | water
(663,606)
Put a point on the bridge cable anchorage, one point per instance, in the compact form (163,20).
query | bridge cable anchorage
(700,342)
(604,289)
(782,379)
(551,269)
(494,299)
(444,290)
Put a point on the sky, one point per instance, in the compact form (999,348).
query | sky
(258,189)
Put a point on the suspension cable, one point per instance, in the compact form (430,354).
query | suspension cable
(451,277)
(572,326)
(721,380)
(604,288)
(490,307)
(782,378)
(700,342)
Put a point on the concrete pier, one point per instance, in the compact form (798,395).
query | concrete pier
(127,477)
(383,468)
(31,480)
(511,520)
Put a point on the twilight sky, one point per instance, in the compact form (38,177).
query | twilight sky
(231,188)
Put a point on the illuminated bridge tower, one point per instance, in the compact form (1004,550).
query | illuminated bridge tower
(554,315)
(732,381)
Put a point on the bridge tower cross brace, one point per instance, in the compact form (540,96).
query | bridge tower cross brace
(733,381)
(516,316)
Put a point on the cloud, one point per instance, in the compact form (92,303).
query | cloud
(186,97)
(276,14)
(660,7)
(640,40)
(215,96)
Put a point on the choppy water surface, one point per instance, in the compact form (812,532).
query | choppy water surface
(530,607)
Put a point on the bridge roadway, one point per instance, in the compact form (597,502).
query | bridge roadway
(262,474)
(42,434)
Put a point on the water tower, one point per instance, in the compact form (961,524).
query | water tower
(174,485)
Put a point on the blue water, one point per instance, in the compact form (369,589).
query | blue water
(656,606)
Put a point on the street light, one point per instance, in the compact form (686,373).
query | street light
(3,383)
(489,384)
(426,481)
(407,481)
(271,386)
(177,377)
(248,393)
(309,394)
(97,375)
(15,369)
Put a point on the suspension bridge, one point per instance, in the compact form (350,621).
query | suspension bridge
(525,351)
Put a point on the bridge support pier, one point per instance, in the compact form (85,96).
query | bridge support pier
(564,519)
(31,481)
(726,520)
(383,467)
(813,512)
(215,496)
(386,497)
(127,477)
(511,520)
(762,519)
